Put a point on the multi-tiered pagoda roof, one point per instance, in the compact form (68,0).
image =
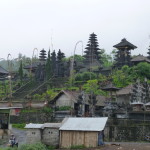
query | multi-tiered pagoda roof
(92,52)
(124,44)
(42,55)
(123,54)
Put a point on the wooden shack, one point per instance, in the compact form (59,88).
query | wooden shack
(81,131)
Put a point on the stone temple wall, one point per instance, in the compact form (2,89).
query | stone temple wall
(127,130)
(31,117)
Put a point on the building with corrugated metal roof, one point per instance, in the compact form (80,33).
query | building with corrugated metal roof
(81,131)
(47,133)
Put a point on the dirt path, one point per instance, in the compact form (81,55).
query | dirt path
(20,137)
(126,146)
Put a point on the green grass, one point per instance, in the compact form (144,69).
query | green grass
(63,108)
(29,110)
(77,147)
(19,126)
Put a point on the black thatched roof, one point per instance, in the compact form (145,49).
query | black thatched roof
(140,58)
(33,66)
(3,71)
(125,43)
(110,87)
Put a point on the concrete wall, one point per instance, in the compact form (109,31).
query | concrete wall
(33,136)
(50,136)
(63,100)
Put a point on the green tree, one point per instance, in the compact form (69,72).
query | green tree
(143,70)
(122,78)
(20,71)
(92,87)
(85,76)
(77,58)
(48,67)
(106,59)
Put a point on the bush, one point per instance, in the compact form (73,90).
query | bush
(19,126)
(50,147)
(36,146)
(64,108)
(77,146)
(47,110)
(29,110)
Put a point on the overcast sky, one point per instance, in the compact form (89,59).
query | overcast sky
(29,24)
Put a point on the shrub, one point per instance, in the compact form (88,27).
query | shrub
(64,108)
(19,126)
(29,110)
(36,146)
(50,147)
(77,146)
(47,110)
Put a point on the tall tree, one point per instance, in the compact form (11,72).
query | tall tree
(60,64)
(48,66)
(92,88)
(20,71)
(53,59)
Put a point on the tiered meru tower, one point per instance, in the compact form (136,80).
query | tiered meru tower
(42,56)
(92,52)
(123,56)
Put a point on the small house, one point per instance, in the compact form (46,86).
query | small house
(47,133)
(81,131)
(50,133)
(71,100)
(34,133)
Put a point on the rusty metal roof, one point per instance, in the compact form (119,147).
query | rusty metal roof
(84,124)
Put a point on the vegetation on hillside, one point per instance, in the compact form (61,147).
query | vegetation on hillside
(88,81)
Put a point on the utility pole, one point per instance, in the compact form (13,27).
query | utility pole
(83,103)
(10,76)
